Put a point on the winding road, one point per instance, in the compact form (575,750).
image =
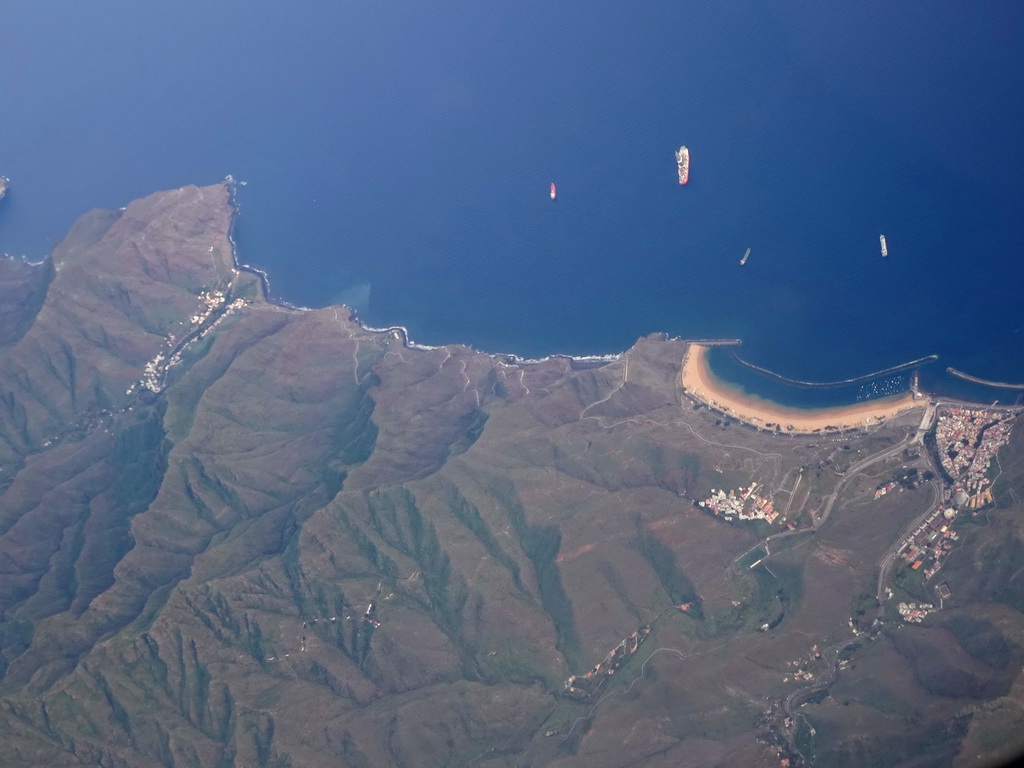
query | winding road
(817,521)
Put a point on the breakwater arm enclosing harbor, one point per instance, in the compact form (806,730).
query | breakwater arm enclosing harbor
(984,382)
(854,380)
(715,342)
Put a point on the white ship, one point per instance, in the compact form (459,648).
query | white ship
(683,164)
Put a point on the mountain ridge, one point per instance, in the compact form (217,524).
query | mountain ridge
(234,532)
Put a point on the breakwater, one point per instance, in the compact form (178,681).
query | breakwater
(844,382)
(984,382)
(714,342)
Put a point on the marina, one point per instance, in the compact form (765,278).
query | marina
(853,380)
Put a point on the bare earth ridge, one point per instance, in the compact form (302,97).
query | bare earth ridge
(234,533)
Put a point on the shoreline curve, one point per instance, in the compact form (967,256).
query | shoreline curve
(699,383)
(407,341)
(512,358)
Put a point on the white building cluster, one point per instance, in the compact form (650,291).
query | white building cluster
(742,503)
(153,373)
(915,612)
(967,440)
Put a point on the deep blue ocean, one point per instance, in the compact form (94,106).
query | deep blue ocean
(397,157)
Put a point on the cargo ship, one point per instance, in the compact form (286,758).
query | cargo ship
(683,162)
(745,257)
(885,249)
(554,192)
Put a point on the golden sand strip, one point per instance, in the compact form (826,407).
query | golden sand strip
(699,382)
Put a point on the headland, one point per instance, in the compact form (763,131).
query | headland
(699,382)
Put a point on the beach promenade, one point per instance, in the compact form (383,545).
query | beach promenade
(699,382)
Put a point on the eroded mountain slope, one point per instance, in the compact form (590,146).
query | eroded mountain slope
(237,533)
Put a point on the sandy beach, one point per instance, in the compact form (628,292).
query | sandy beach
(698,381)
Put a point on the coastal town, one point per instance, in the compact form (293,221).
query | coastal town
(963,442)
(958,467)
(914,613)
(928,544)
(212,304)
(966,441)
(741,504)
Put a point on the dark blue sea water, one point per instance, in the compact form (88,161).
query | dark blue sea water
(398,156)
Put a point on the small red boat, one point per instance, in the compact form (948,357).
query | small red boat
(554,192)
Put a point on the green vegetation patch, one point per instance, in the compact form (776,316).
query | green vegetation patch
(984,641)
(395,516)
(663,562)
(937,671)
(872,692)
(864,606)
(541,544)
(879,743)
(518,665)
(751,557)
(469,516)
(138,459)
(15,638)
